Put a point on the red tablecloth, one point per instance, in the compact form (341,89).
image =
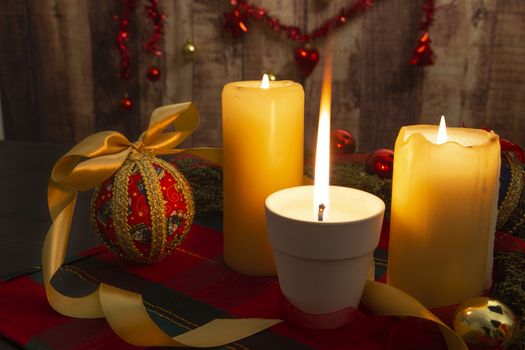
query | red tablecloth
(191,288)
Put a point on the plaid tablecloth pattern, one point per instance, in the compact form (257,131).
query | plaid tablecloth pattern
(188,289)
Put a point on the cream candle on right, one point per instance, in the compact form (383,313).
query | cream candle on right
(444,209)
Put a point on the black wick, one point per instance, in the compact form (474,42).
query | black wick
(320,212)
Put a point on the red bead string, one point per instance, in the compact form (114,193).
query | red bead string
(151,45)
(237,22)
(306,57)
(241,12)
(157,18)
(128,7)
(423,54)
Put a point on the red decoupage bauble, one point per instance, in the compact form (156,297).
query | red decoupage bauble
(144,210)
(380,163)
(343,142)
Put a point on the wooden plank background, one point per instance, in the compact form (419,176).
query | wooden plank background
(59,64)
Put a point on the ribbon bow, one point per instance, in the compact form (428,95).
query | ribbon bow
(98,157)
(87,165)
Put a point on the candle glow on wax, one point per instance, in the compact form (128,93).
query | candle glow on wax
(265,82)
(263,140)
(445,190)
(442,132)
(321,204)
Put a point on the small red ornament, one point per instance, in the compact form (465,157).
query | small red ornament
(126,103)
(380,163)
(306,59)
(343,142)
(153,73)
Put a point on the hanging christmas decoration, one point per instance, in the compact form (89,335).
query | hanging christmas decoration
(128,7)
(189,49)
(343,142)
(126,103)
(306,58)
(123,21)
(151,45)
(153,73)
(423,54)
(144,210)
(380,163)
(236,21)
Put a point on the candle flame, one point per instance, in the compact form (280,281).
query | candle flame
(442,131)
(265,82)
(322,154)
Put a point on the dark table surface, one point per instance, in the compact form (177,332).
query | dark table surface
(24,217)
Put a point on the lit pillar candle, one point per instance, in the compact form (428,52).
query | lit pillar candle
(444,208)
(262,129)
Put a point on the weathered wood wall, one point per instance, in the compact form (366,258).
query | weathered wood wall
(58,66)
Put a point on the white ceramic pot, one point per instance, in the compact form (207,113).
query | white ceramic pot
(322,266)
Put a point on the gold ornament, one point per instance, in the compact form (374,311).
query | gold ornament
(189,49)
(485,322)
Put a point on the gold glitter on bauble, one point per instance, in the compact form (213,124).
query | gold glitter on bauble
(144,210)
(189,49)
(485,322)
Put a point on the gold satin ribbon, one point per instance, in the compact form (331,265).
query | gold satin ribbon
(386,300)
(87,165)
(98,157)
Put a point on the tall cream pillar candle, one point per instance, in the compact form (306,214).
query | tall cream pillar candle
(262,130)
(444,208)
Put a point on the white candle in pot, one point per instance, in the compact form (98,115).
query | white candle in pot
(323,237)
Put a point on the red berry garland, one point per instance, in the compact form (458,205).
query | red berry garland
(128,7)
(423,54)
(237,22)
(151,45)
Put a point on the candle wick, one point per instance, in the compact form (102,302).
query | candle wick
(320,212)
